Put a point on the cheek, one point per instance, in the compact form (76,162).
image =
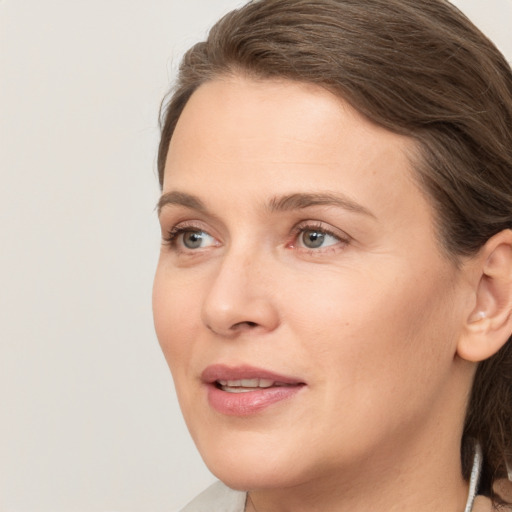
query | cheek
(175,314)
(370,330)
(378,351)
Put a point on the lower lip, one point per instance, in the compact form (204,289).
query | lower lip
(249,402)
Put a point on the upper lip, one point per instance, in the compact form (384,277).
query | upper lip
(216,372)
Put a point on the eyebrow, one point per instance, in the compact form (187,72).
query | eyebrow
(306,200)
(180,199)
(289,202)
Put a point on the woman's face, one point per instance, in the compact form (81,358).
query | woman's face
(302,302)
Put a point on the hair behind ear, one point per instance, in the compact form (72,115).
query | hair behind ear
(489,419)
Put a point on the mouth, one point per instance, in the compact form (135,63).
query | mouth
(245,390)
(248,385)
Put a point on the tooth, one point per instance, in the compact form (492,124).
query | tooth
(245,385)
(237,390)
(249,383)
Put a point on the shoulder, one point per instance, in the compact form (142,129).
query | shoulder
(219,496)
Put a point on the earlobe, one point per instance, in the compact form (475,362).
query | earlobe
(489,324)
(477,315)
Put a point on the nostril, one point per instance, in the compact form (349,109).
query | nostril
(235,328)
(242,325)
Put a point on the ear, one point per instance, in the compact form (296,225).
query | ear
(489,325)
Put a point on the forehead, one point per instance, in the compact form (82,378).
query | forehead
(251,136)
(270,110)
(236,117)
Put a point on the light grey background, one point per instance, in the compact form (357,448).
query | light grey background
(88,417)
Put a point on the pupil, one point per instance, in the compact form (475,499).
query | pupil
(193,240)
(313,239)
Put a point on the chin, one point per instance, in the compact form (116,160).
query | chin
(251,477)
(254,461)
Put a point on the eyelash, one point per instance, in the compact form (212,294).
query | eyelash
(171,239)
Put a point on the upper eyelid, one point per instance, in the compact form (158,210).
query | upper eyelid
(173,215)
(169,224)
(169,211)
(189,226)
(322,226)
(200,225)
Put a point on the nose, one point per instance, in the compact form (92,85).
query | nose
(241,297)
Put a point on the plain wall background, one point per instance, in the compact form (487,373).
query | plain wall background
(88,417)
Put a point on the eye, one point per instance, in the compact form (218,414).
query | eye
(315,239)
(189,239)
(196,239)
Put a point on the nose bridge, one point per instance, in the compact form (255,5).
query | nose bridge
(240,297)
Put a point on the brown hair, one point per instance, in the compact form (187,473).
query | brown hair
(416,67)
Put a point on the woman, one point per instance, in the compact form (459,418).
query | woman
(334,291)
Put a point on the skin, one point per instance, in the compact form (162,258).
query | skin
(370,320)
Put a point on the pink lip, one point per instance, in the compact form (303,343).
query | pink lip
(250,402)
